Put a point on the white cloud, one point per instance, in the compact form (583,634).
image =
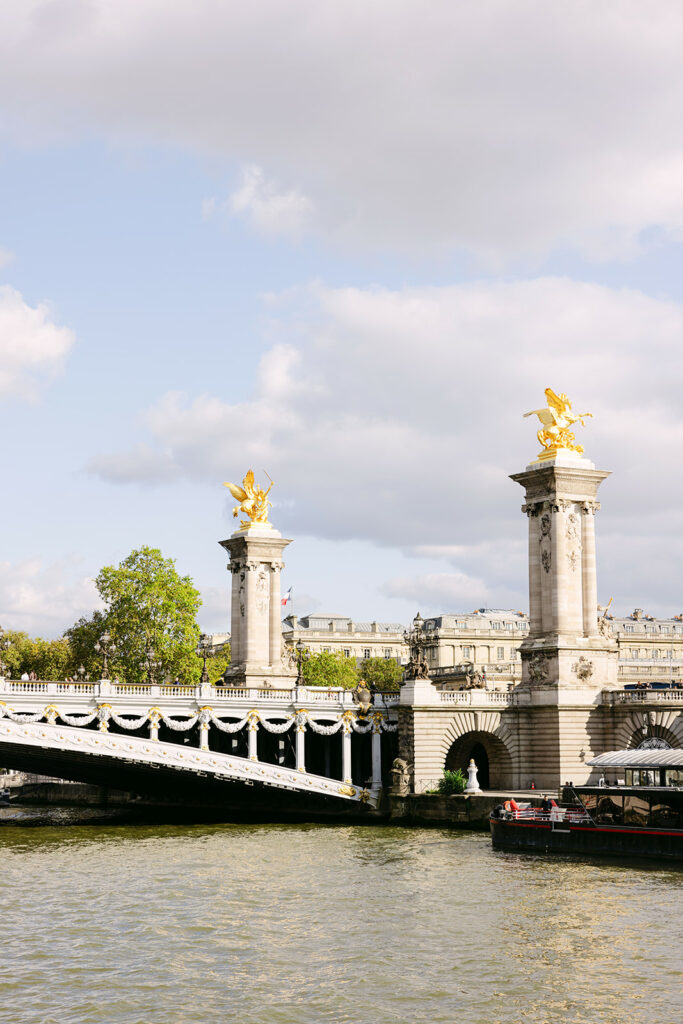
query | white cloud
(500,128)
(32,348)
(271,210)
(44,599)
(397,418)
(435,592)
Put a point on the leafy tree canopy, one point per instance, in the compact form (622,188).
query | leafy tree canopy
(326,669)
(149,607)
(384,673)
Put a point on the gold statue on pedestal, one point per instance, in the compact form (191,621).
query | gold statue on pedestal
(253,500)
(556,421)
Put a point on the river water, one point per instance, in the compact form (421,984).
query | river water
(313,924)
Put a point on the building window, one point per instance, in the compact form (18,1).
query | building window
(495,625)
(669,654)
(366,652)
(513,654)
(655,654)
(665,629)
(467,652)
(628,629)
(634,652)
(387,653)
(500,653)
(347,652)
(325,650)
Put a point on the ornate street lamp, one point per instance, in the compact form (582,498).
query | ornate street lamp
(106,646)
(5,644)
(81,672)
(150,665)
(203,650)
(416,642)
(300,659)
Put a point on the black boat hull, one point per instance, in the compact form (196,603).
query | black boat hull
(613,840)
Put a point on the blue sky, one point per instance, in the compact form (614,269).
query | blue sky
(349,247)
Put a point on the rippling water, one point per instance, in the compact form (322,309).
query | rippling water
(287,924)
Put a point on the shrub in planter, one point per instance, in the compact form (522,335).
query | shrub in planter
(452,782)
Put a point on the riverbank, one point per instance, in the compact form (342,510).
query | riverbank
(460,810)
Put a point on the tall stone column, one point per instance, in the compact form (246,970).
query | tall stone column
(535,623)
(566,662)
(256,631)
(588,568)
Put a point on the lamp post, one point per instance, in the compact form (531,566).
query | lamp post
(416,642)
(5,644)
(150,665)
(105,646)
(81,672)
(203,650)
(300,658)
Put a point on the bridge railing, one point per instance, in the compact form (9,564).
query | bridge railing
(644,696)
(103,688)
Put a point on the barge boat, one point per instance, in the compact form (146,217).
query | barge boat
(639,813)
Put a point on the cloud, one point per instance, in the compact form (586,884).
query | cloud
(32,348)
(44,599)
(397,417)
(270,210)
(6,257)
(498,128)
(435,592)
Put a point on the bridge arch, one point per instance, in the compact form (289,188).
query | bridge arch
(488,740)
(638,725)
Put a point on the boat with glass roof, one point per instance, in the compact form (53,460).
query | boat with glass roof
(634,809)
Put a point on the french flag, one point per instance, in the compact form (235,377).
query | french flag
(287,598)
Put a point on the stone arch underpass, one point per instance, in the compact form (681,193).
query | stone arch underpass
(486,735)
(637,725)
(173,772)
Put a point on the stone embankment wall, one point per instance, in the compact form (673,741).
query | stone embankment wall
(458,811)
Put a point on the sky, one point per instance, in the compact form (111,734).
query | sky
(347,245)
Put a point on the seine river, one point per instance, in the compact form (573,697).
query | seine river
(280,924)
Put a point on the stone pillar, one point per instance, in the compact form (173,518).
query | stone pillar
(300,747)
(535,624)
(204,720)
(275,633)
(346,752)
(256,630)
(252,734)
(558,491)
(588,569)
(566,663)
(377,753)
(154,717)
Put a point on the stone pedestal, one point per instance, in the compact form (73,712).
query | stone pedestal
(566,660)
(255,623)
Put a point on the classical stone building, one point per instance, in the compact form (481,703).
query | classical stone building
(650,649)
(357,640)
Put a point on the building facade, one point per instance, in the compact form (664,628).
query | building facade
(359,640)
(650,649)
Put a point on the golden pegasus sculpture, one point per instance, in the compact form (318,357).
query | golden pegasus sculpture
(556,420)
(253,500)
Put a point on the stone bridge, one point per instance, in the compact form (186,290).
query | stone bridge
(202,743)
(506,732)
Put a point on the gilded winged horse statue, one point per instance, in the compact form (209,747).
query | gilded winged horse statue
(253,500)
(556,420)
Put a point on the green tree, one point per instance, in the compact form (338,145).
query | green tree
(150,606)
(49,659)
(82,637)
(326,669)
(385,673)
